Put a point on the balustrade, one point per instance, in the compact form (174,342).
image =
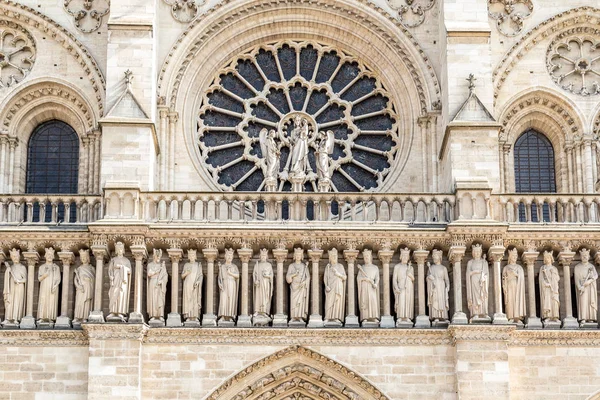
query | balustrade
(53,209)
(548,208)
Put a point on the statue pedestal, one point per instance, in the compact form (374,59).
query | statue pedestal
(222,323)
(481,319)
(423,321)
(534,323)
(27,322)
(370,324)
(551,324)
(297,183)
(315,321)
(174,320)
(244,321)
(270,185)
(209,320)
(156,323)
(63,322)
(440,323)
(459,318)
(570,323)
(404,323)
(96,317)
(280,321)
(10,325)
(588,325)
(324,185)
(387,321)
(352,321)
(191,323)
(134,318)
(297,324)
(332,323)
(45,325)
(261,320)
(500,319)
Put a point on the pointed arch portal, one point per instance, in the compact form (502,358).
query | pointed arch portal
(297,373)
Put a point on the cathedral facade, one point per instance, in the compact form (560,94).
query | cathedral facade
(299,199)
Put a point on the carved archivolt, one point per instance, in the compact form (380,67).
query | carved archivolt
(185,10)
(87,14)
(510,14)
(296,373)
(267,86)
(17,53)
(573,61)
(411,12)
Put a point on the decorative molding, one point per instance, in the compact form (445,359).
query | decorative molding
(480,333)
(185,11)
(580,338)
(574,17)
(411,12)
(316,374)
(573,61)
(45,338)
(510,15)
(88,14)
(30,17)
(115,331)
(17,53)
(252,7)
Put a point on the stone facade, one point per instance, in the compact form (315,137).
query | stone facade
(411,113)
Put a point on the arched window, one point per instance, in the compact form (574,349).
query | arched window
(52,163)
(534,169)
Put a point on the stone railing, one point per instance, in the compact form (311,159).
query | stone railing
(547,208)
(50,209)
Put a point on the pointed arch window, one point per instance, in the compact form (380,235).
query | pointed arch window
(534,169)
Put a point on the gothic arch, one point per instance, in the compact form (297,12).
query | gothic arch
(296,371)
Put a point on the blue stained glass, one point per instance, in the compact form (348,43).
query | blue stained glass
(347,73)
(308,61)
(234,85)
(328,64)
(333,113)
(298,95)
(377,123)
(221,100)
(266,62)
(261,110)
(287,60)
(317,101)
(248,70)
(278,99)
(372,104)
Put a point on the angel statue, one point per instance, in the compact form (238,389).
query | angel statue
(324,150)
(299,139)
(270,152)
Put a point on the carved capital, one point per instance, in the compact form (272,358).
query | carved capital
(315,255)
(67,257)
(175,255)
(245,254)
(280,255)
(139,252)
(210,254)
(100,251)
(351,255)
(2,256)
(32,257)
(530,257)
(420,256)
(566,257)
(457,253)
(496,253)
(385,256)
(173,117)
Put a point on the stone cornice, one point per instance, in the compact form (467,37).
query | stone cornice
(54,338)
(461,333)
(581,338)
(115,331)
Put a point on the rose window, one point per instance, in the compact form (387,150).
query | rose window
(574,65)
(297,116)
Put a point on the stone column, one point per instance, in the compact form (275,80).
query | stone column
(173,118)
(244,319)
(174,318)
(100,251)
(64,320)
(281,319)
(139,254)
(420,257)
(565,258)
(496,253)
(210,318)
(456,255)
(387,321)
(529,258)
(3,147)
(32,257)
(12,142)
(316,319)
(351,317)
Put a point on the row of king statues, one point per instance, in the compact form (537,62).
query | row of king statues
(298,277)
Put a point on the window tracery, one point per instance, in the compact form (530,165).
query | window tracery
(17,54)
(277,86)
(510,15)
(411,12)
(574,64)
(184,10)
(87,14)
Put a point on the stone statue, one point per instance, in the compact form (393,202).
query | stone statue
(299,156)
(404,290)
(270,152)
(335,290)
(229,277)
(192,288)
(324,150)
(263,289)
(298,277)
(49,277)
(84,280)
(119,274)
(368,289)
(585,277)
(549,298)
(157,288)
(478,284)
(513,284)
(15,288)
(438,287)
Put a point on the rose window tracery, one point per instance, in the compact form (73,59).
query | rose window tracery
(17,54)
(297,116)
(574,65)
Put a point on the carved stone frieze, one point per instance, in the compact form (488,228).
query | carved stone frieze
(53,338)
(510,14)
(411,12)
(185,10)
(17,53)
(480,333)
(115,331)
(573,61)
(87,14)
(555,338)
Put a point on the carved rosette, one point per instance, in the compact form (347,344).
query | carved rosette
(411,12)
(184,11)
(267,87)
(510,15)
(87,14)
(573,62)
(17,53)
